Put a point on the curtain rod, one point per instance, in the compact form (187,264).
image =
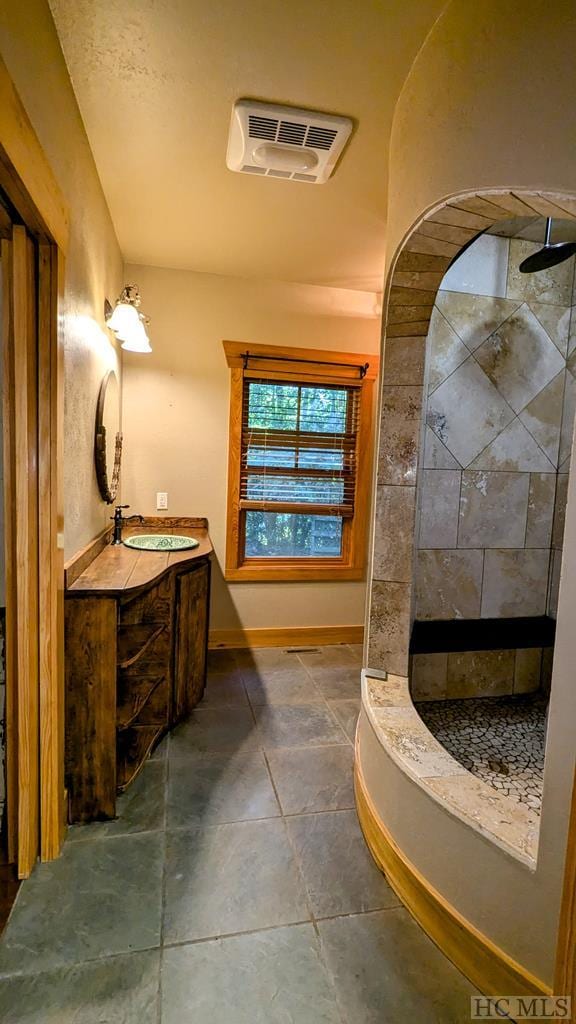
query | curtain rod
(362,368)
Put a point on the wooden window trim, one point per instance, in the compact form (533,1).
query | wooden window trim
(352,564)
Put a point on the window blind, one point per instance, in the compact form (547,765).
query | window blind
(298,450)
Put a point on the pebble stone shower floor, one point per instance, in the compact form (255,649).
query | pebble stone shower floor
(235,886)
(499,739)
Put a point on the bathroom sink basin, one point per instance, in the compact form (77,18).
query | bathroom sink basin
(160,542)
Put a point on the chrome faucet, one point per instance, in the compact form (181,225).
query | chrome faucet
(119,521)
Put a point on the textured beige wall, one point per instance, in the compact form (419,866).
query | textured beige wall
(488,103)
(32,54)
(176,408)
(482,109)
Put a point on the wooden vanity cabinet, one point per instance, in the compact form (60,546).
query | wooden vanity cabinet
(135,660)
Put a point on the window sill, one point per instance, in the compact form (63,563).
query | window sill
(285,573)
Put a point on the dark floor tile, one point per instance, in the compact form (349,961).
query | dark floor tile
(140,809)
(214,730)
(347,712)
(161,751)
(357,651)
(338,682)
(297,726)
(331,656)
(116,990)
(221,662)
(291,685)
(224,691)
(339,873)
(210,789)
(271,977)
(231,878)
(314,779)
(386,969)
(98,899)
(268,658)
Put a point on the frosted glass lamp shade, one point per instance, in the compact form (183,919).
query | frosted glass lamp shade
(128,326)
(125,318)
(135,340)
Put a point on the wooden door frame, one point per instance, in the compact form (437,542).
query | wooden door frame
(34,194)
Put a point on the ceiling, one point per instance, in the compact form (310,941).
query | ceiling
(156,81)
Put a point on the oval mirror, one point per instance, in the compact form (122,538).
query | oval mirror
(108,444)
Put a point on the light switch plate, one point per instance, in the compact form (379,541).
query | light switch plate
(161,500)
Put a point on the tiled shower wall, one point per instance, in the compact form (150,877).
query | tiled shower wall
(499,413)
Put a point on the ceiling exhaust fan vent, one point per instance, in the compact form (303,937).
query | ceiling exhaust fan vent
(281,142)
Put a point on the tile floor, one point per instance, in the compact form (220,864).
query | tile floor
(501,740)
(235,886)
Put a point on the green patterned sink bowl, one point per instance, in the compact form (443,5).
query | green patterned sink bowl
(160,542)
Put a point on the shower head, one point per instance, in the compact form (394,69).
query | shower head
(549,256)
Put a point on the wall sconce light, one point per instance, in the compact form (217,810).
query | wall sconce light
(128,324)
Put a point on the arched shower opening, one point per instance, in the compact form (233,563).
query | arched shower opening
(461,500)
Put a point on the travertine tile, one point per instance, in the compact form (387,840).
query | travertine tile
(466,412)
(514,449)
(439,505)
(568,411)
(540,510)
(552,286)
(560,510)
(389,627)
(404,360)
(448,584)
(547,666)
(436,454)
(480,674)
(556,322)
(428,676)
(405,733)
(493,509)
(474,317)
(389,693)
(512,823)
(400,423)
(554,582)
(528,669)
(572,330)
(543,417)
(515,583)
(519,358)
(445,350)
(394,533)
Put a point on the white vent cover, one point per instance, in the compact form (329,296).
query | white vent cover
(282,142)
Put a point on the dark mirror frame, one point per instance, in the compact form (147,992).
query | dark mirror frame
(108,476)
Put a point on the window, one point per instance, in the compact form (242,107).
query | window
(300,439)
